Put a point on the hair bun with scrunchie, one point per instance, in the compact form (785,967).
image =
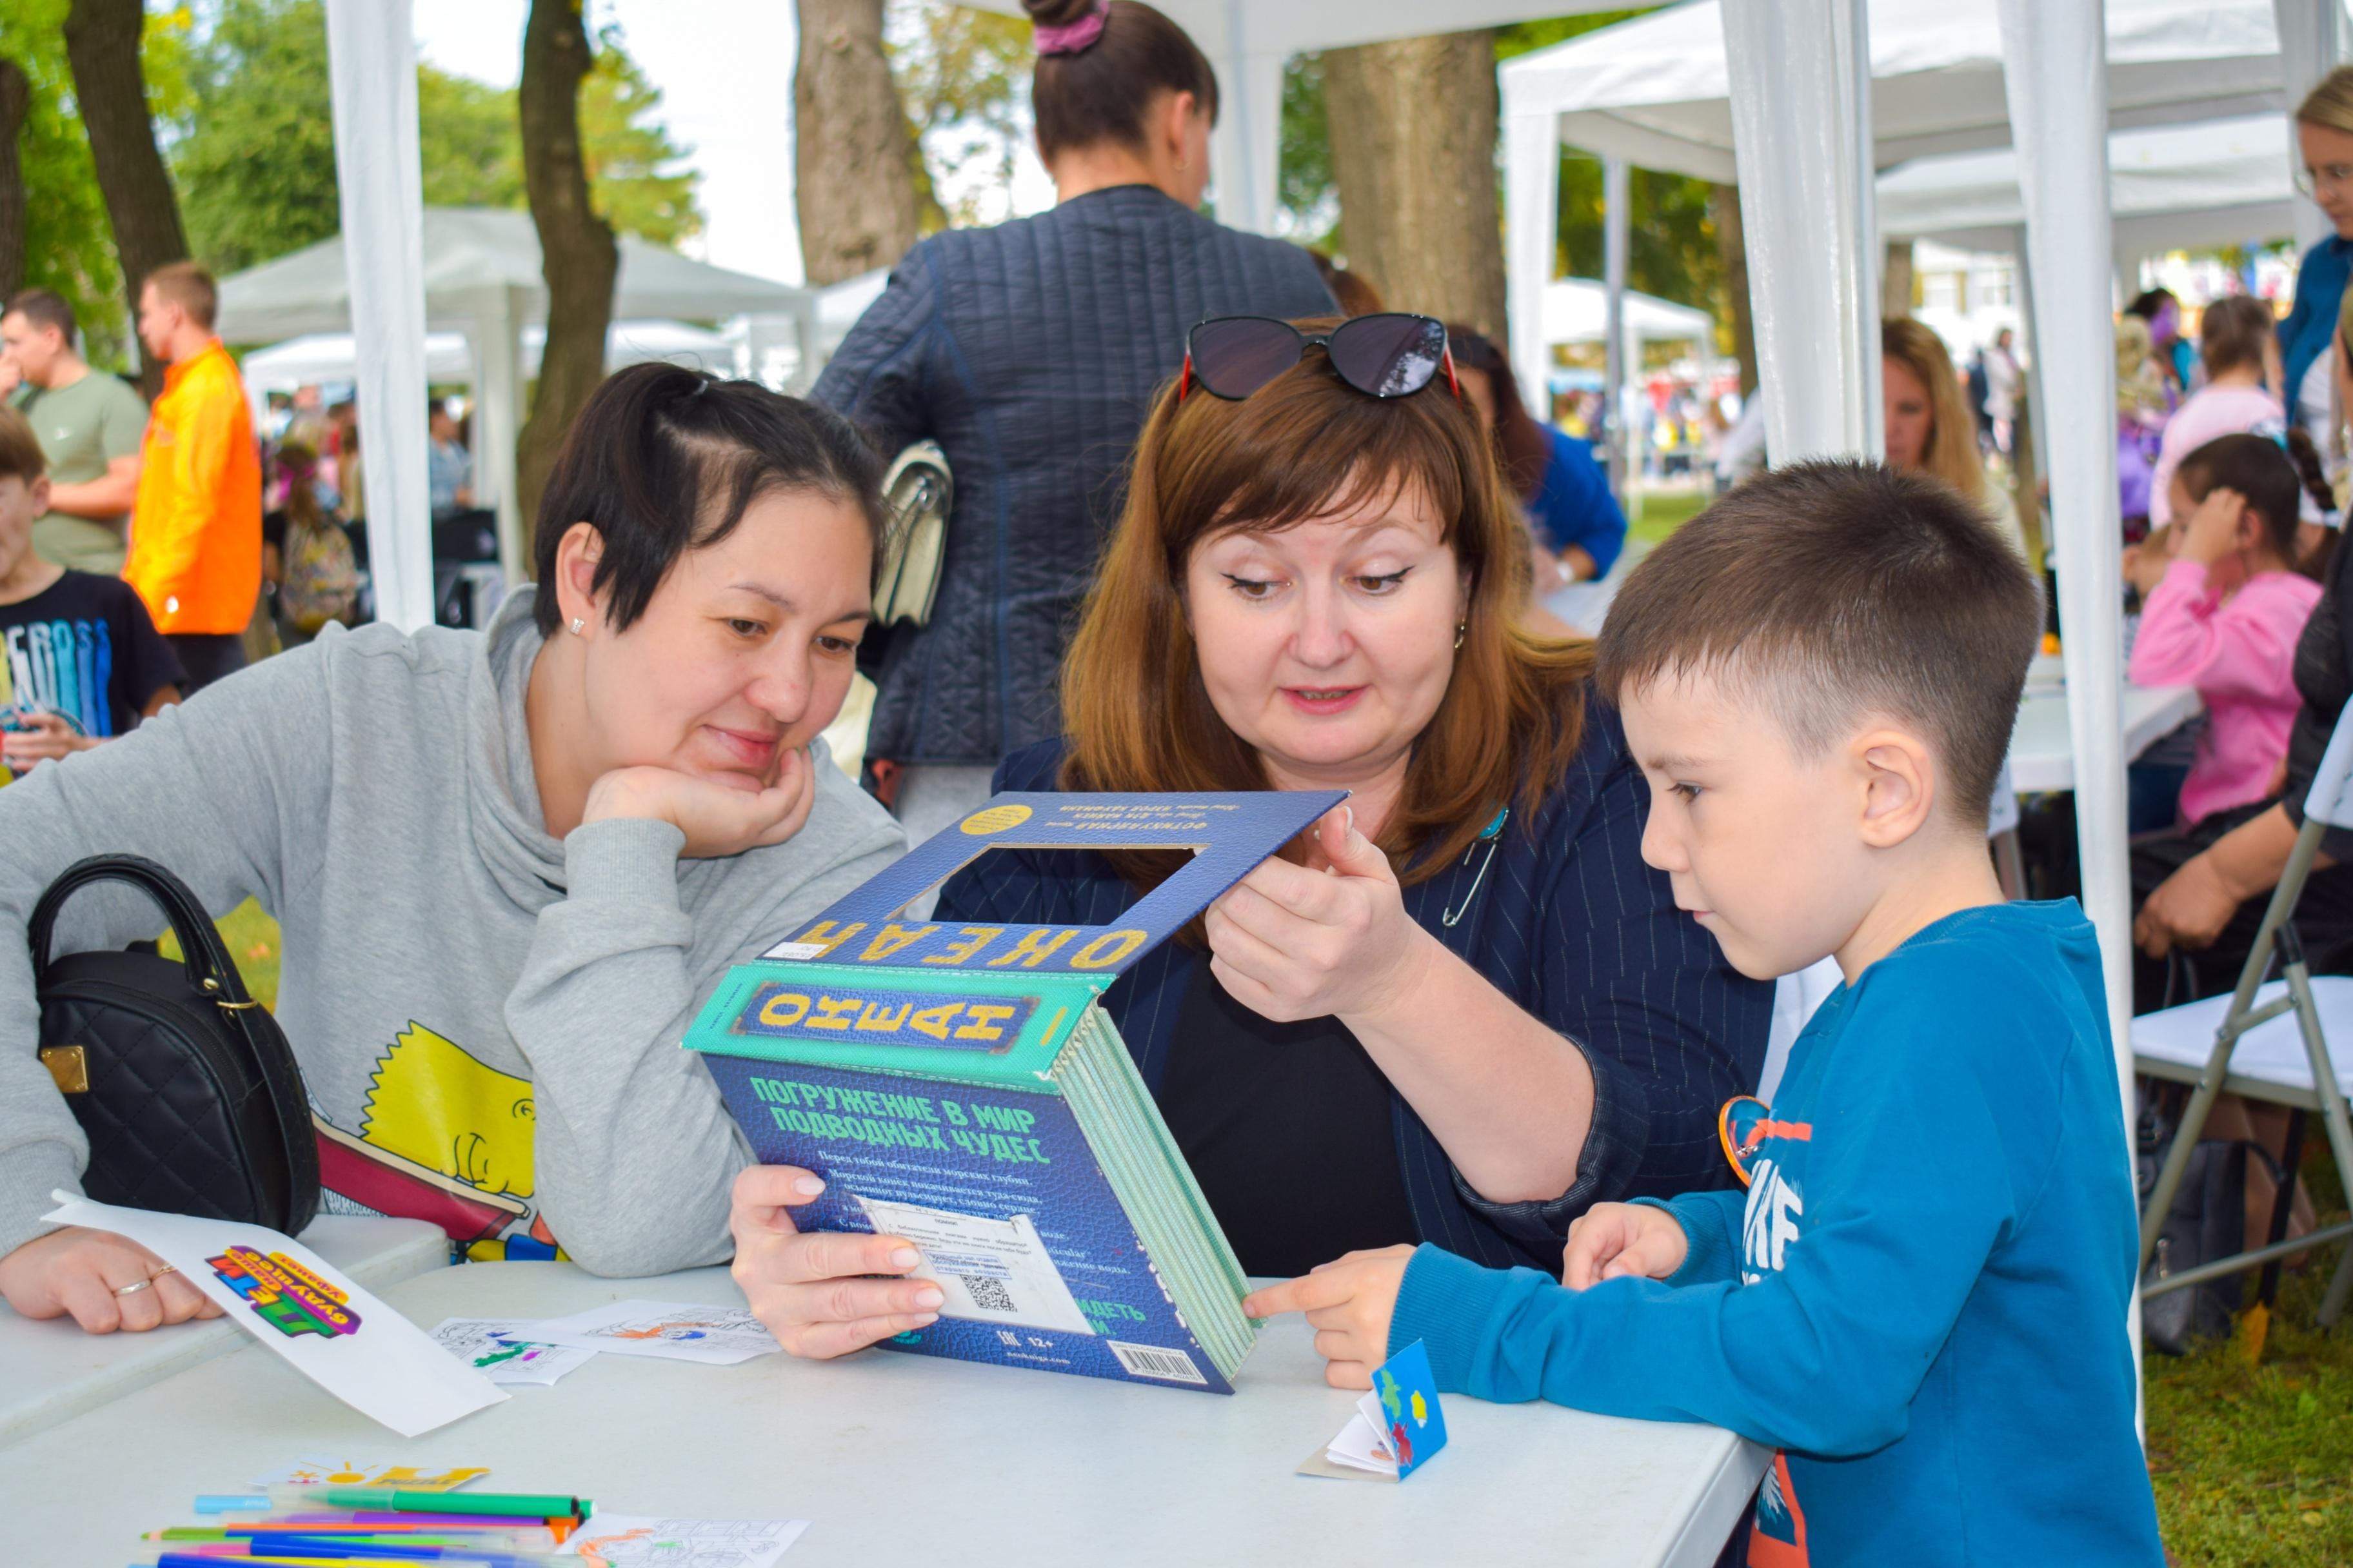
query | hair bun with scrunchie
(1066,27)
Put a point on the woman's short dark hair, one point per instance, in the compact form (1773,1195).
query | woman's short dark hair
(664,459)
(1102,92)
(2233,332)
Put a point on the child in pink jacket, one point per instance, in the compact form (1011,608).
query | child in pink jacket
(2226,615)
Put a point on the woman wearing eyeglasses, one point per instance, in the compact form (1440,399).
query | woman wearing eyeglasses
(1461,1010)
(1030,352)
(2324,132)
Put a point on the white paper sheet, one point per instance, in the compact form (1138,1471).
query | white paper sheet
(341,1337)
(713,1336)
(991,1270)
(501,1350)
(1363,1443)
(629,1540)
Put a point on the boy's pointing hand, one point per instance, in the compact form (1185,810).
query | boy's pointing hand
(1349,1303)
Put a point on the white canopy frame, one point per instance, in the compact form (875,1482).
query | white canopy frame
(479,272)
(379,183)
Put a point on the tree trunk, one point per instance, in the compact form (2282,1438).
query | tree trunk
(1413,128)
(1724,210)
(578,257)
(102,45)
(16,103)
(1895,281)
(853,169)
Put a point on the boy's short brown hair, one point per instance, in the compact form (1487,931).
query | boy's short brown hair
(20,449)
(189,287)
(1831,592)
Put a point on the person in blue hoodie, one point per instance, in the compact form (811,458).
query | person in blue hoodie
(1919,1299)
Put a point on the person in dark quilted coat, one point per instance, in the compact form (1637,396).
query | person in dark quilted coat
(1030,352)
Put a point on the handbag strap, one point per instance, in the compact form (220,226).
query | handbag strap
(207,959)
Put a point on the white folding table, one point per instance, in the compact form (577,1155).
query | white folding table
(51,1371)
(903,1459)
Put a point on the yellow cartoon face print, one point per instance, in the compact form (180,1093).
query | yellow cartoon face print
(432,1103)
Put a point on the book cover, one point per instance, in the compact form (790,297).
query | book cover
(935,1075)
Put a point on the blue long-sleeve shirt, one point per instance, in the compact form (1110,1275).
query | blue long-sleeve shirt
(1920,1297)
(1574,506)
(2310,325)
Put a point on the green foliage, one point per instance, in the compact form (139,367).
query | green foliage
(963,76)
(470,145)
(1307,193)
(627,150)
(69,241)
(243,110)
(255,161)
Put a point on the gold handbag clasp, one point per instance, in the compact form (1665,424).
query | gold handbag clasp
(69,1064)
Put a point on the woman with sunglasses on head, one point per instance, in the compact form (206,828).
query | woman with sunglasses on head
(1461,1009)
(1030,352)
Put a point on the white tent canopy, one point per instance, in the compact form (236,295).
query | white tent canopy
(481,276)
(2218,183)
(1655,90)
(1577,310)
(468,249)
(325,357)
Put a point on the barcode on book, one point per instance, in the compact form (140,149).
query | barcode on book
(988,1295)
(1152,1361)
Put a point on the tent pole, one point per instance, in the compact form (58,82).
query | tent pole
(1531,235)
(1247,137)
(1616,348)
(1799,75)
(380,189)
(495,325)
(2056,79)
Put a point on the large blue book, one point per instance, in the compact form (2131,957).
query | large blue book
(961,1086)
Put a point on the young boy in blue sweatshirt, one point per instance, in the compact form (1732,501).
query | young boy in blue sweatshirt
(1920,1297)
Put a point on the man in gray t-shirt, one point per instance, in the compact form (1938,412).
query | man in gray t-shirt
(88,424)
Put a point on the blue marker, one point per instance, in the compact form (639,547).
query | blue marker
(292,1545)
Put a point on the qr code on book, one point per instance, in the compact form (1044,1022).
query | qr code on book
(987,1295)
(1154,1361)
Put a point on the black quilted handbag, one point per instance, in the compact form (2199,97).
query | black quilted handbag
(183,1084)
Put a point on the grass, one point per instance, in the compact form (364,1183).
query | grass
(2253,1466)
(1663,512)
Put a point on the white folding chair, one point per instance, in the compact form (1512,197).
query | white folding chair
(2243,1044)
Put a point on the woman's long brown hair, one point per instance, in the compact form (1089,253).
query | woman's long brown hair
(1134,710)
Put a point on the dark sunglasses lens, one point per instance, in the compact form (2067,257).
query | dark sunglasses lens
(1237,355)
(1387,355)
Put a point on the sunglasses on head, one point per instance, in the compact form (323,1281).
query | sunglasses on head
(1387,355)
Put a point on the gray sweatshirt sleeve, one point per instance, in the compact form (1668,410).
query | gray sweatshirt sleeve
(201,788)
(634,1150)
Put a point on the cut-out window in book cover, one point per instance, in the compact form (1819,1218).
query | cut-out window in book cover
(958,1085)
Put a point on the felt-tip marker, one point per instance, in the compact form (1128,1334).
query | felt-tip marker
(277,1548)
(513,1505)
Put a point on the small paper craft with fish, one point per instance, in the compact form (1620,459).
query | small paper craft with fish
(1396,1429)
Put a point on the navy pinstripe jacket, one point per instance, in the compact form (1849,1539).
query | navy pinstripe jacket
(1568,922)
(1030,352)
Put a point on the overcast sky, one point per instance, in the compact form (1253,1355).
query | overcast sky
(725,69)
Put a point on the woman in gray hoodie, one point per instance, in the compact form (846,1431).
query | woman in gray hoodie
(509,865)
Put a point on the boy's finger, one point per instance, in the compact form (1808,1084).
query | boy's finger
(1325,1287)
(1353,1374)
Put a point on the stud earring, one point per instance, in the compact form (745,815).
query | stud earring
(579,625)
